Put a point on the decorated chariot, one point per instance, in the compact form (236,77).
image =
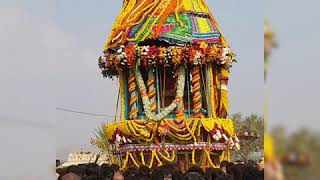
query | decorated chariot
(172,63)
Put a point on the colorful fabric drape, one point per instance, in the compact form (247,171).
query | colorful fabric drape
(173,21)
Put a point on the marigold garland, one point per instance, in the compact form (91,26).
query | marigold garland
(142,158)
(129,55)
(193,156)
(209,159)
(133,160)
(174,127)
(146,101)
(168,158)
(125,162)
(154,155)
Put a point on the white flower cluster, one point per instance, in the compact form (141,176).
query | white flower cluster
(227,56)
(233,142)
(146,102)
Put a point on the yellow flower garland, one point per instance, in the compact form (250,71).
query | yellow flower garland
(154,155)
(168,158)
(134,161)
(173,127)
(193,156)
(191,133)
(125,161)
(142,158)
(210,161)
(138,136)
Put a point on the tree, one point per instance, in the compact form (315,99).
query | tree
(251,147)
(304,144)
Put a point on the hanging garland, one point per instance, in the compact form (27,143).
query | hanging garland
(152,90)
(193,156)
(146,101)
(167,158)
(127,57)
(125,162)
(142,158)
(134,161)
(154,155)
(210,160)
(133,96)
(196,92)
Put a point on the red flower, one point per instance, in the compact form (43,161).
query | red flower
(130,52)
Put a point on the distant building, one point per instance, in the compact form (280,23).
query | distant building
(85,158)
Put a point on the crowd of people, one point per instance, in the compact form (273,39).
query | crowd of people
(227,171)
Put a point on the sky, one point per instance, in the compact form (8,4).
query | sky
(49,52)
(293,85)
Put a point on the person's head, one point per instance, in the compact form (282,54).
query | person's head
(251,163)
(74,169)
(104,165)
(237,171)
(223,166)
(61,171)
(115,167)
(118,176)
(131,173)
(216,172)
(224,177)
(144,171)
(229,167)
(91,177)
(58,162)
(193,176)
(157,174)
(208,173)
(251,173)
(195,169)
(177,175)
(92,170)
(70,176)
(106,172)
(261,164)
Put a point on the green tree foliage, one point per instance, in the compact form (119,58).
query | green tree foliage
(304,145)
(251,149)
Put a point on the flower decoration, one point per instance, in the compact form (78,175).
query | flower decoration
(149,56)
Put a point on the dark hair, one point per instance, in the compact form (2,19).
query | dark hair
(157,174)
(193,176)
(106,172)
(229,168)
(115,167)
(224,164)
(237,171)
(74,169)
(177,175)
(216,172)
(195,169)
(58,162)
(92,170)
(252,173)
(92,177)
(222,178)
(144,171)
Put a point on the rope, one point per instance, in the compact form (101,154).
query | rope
(117,106)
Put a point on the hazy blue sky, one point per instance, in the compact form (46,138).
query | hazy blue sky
(293,85)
